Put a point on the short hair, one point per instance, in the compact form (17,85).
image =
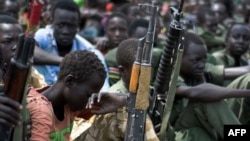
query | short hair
(230,28)
(190,38)
(135,24)
(116,14)
(68,5)
(4,18)
(126,52)
(202,12)
(81,64)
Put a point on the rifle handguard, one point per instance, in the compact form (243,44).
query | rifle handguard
(142,99)
(168,57)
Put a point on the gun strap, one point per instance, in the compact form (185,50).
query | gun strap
(170,97)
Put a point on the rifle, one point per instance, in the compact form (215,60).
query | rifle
(163,85)
(138,100)
(15,86)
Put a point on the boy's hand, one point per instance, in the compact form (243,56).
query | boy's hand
(9,111)
(107,102)
(102,43)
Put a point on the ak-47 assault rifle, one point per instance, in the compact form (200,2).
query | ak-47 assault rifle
(165,85)
(15,86)
(138,100)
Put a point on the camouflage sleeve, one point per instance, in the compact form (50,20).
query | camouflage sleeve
(240,106)
(211,59)
(150,134)
(118,87)
(224,58)
(216,73)
(242,82)
(180,82)
(213,43)
(219,57)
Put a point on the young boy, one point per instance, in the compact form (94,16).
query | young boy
(60,38)
(237,44)
(199,111)
(9,32)
(137,29)
(116,30)
(52,109)
(209,29)
(112,126)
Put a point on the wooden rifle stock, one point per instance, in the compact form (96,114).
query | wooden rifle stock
(15,83)
(133,84)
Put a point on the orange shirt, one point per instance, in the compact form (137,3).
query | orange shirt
(45,125)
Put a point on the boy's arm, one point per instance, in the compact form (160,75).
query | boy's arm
(107,102)
(43,44)
(208,92)
(234,72)
(42,57)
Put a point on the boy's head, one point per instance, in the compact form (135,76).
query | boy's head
(138,28)
(65,22)
(238,39)
(246,10)
(132,11)
(125,57)
(47,11)
(116,29)
(194,57)
(83,74)
(10,29)
(220,11)
(207,19)
(12,7)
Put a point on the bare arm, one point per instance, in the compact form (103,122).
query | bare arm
(42,57)
(232,73)
(107,102)
(208,92)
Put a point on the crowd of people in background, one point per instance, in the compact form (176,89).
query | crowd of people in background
(89,46)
